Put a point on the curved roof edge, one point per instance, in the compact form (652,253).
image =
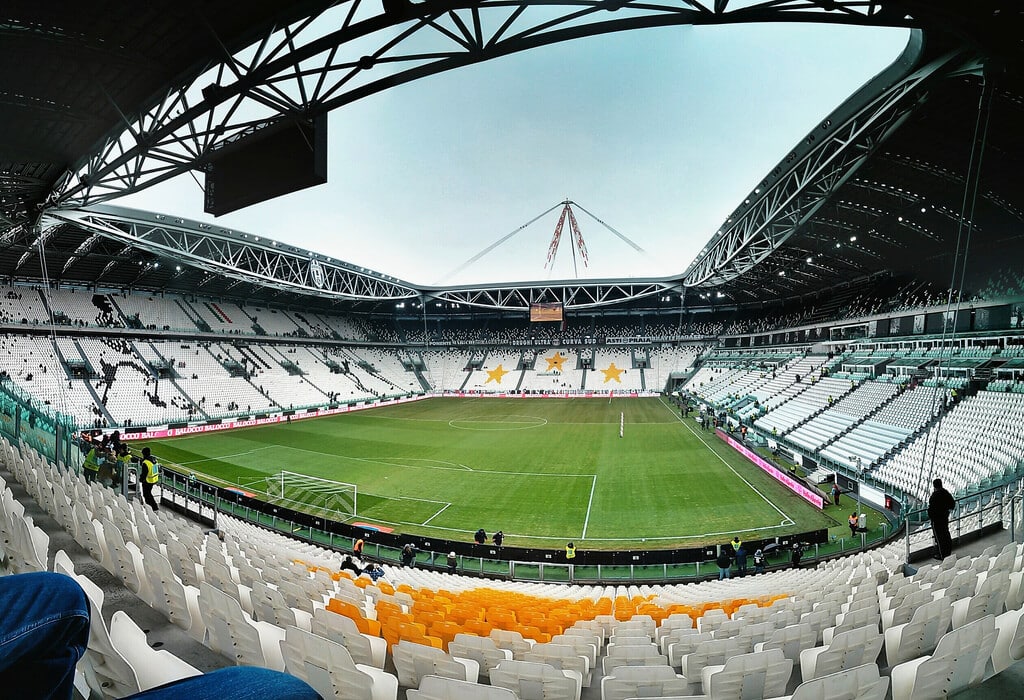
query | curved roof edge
(825,157)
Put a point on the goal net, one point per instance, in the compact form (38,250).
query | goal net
(325,498)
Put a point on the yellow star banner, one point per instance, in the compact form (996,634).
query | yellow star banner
(496,374)
(555,362)
(612,372)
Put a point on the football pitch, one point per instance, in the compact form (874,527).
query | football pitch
(544,471)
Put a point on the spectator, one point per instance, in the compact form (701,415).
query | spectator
(741,560)
(758,562)
(724,563)
(940,505)
(374,571)
(44,631)
(408,555)
(348,565)
(798,552)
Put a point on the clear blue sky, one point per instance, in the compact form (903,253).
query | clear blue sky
(660,133)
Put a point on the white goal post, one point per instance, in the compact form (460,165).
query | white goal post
(329,499)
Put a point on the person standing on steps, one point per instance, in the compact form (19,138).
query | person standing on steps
(724,563)
(940,505)
(149,477)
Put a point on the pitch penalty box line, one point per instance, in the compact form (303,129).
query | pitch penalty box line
(549,421)
(237,454)
(586,520)
(443,509)
(729,466)
(455,468)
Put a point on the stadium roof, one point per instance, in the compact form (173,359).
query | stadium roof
(72,72)
(877,188)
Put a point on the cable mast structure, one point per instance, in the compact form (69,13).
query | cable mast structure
(576,242)
(578,245)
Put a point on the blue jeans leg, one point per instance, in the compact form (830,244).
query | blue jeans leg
(234,683)
(44,630)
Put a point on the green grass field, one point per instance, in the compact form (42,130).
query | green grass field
(542,470)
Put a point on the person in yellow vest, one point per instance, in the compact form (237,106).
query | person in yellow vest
(570,552)
(93,460)
(148,478)
(124,456)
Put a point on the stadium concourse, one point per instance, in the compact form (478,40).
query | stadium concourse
(171,601)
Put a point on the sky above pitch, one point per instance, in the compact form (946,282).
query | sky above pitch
(659,133)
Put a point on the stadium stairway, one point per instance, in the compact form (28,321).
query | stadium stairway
(191,314)
(100,404)
(162,634)
(424,384)
(465,381)
(173,381)
(141,360)
(118,312)
(522,376)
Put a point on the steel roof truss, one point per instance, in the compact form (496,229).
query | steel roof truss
(244,260)
(798,193)
(326,60)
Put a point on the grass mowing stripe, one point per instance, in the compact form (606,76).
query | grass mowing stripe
(715,452)
(659,484)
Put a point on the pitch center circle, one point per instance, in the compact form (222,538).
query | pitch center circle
(498,423)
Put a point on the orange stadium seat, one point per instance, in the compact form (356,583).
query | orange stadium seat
(363,624)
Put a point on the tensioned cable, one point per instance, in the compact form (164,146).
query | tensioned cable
(498,242)
(41,245)
(621,236)
(965,228)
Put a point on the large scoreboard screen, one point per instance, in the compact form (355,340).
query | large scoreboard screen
(545,312)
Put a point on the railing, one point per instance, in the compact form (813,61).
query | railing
(206,503)
(992,508)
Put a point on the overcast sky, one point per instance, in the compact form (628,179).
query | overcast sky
(660,133)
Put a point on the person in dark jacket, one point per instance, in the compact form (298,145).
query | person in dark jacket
(724,563)
(798,552)
(940,505)
(348,565)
